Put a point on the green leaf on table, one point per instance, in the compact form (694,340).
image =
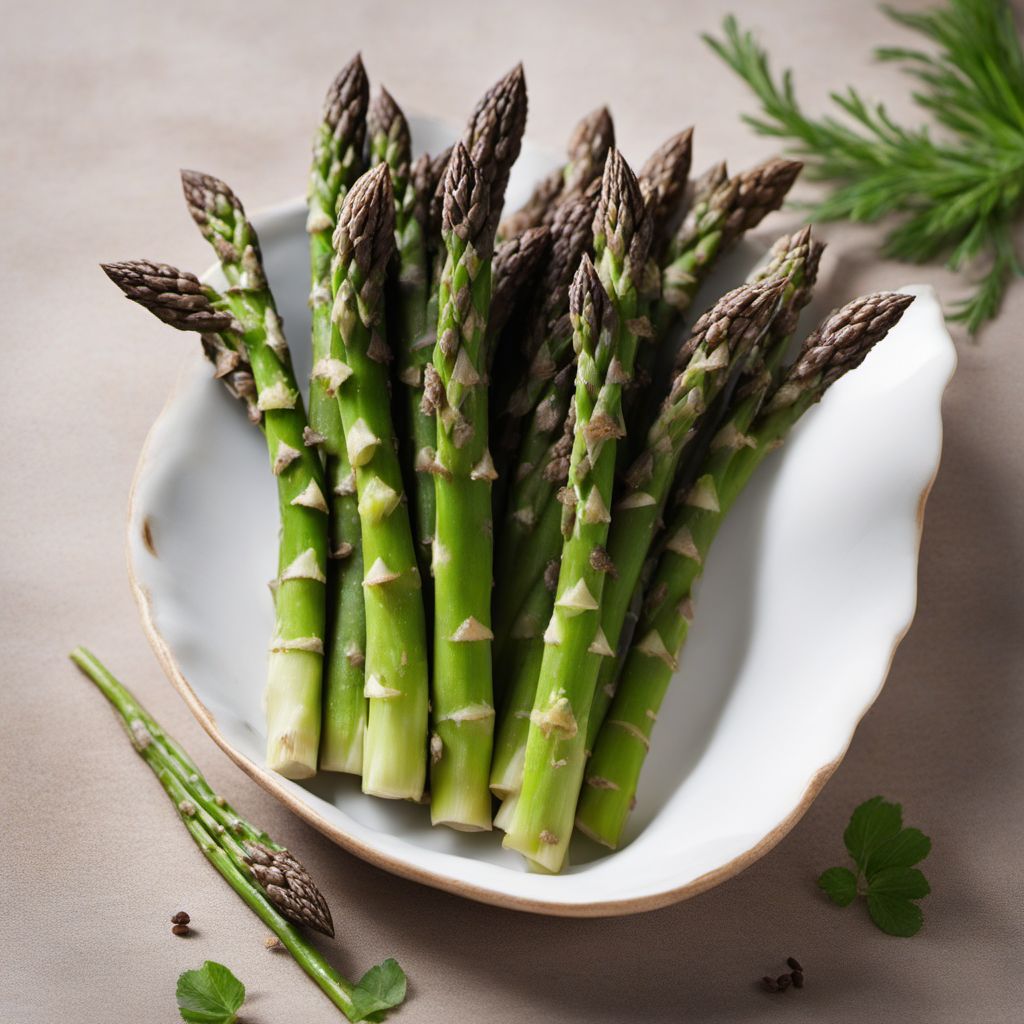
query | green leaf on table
(380,988)
(840,884)
(885,854)
(210,995)
(872,824)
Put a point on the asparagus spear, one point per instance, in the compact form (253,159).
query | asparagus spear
(663,182)
(276,887)
(394,750)
(515,262)
(574,643)
(587,150)
(181,300)
(836,347)
(337,163)
(463,710)
(542,400)
(761,312)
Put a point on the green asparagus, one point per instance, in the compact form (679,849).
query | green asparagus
(574,644)
(394,749)
(587,151)
(337,163)
(276,887)
(835,348)
(463,700)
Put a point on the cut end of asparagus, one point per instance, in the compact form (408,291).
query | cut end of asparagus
(840,344)
(347,98)
(174,296)
(365,234)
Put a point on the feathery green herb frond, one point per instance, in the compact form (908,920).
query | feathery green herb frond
(959,196)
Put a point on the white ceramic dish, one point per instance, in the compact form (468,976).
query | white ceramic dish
(810,587)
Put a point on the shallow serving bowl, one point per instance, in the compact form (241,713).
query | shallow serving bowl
(810,587)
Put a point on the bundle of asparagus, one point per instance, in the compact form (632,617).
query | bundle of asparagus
(516,457)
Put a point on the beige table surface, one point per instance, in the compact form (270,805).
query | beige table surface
(101,103)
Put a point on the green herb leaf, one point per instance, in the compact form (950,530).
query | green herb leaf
(210,995)
(380,988)
(895,916)
(959,197)
(884,853)
(840,884)
(871,824)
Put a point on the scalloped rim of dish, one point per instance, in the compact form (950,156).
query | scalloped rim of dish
(598,908)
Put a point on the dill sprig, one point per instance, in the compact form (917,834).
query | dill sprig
(960,196)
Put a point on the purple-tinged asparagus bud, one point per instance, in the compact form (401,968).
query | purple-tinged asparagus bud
(365,235)
(515,262)
(289,887)
(621,222)
(663,181)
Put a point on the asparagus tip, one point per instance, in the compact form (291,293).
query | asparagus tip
(366,223)
(348,93)
(464,212)
(174,296)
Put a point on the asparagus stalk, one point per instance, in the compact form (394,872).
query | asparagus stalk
(721,340)
(276,887)
(542,400)
(515,262)
(574,644)
(420,437)
(836,347)
(587,151)
(761,313)
(663,182)
(394,749)
(337,163)
(463,700)
(723,210)
(295,664)
(463,712)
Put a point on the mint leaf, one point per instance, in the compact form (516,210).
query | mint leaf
(884,852)
(907,847)
(210,995)
(872,824)
(895,916)
(840,884)
(380,988)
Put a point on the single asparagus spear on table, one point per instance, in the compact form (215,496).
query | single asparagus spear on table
(276,887)
(587,151)
(337,163)
(542,821)
(836,347)
(462,696)
(761,312)
(394,749)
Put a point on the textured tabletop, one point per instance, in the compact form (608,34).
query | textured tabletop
(101,104)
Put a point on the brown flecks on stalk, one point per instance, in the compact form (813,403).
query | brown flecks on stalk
(277,396)
(284,457)
(342,551)
(599,782)
(551,575)
(436,748)
(548,838)
(311,438)
(484,469)
(600,561)
(333,373)
(600,646)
